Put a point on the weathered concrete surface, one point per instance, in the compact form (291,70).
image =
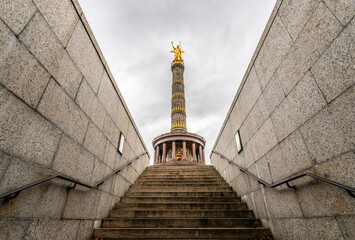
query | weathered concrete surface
(56,118)
(161,205)
(296,114)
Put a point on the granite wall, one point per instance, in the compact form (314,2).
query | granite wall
(60,112)
(295,110)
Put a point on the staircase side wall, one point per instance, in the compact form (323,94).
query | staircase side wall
(295,111)
(60,112)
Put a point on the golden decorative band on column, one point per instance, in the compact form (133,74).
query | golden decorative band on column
(178,109)
(178,125)
(178,81)
(178,94)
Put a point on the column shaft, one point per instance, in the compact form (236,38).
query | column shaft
(200,153)
(164,153)
(173,150)
(203,156)
(194,152)
(157,157)
(184,150)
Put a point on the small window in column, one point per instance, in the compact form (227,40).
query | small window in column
(120,143)
(238,141)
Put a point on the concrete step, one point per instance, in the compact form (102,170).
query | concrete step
(158,179)
(129,199)
(181,205)
(181,233)
(190,166)
(180,182)
(177,181)
(178,178)
(192,202)
(172,193)
(183,213)
(168,184)
(178,189)
(179,168)
(180,222)
(196,175)
(208,172)
(187,171)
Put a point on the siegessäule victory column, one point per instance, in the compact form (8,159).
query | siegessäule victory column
(179,146)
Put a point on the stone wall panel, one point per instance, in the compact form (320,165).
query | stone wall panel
(105,205)
(85,231)
(13,176)
(289,157)
(301,104)
(324,200)
(17,13)
(98,172)
(108,97)
(120,185)
(90,104)
(248,129)
(59,108)
(251,92)
(20,72)
(254,185)
(346,225)
(331,132)
(273,94)
(45,46)
(263,169)
(323,228)
(335,70)
(340,169)
(19,125)
(259,205)
(110,155)
(111,131)
(95,141)
(241,185)
(264,139)
(259,112)
(315,37)
(42,201)
(295,14)
(282,202)
(271,54)
(82,203)
(343,9)
(236,117)
(5,161)
(61,17)
(52,229)
(14,228)
(84,55)
(73,160)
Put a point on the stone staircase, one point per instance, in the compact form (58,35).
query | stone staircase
(181,202)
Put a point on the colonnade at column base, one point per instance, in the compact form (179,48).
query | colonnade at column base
(178,147)
(180,163)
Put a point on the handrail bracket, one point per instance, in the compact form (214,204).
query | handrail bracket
(13,196)
(293,187)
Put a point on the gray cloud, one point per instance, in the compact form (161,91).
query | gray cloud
(219,38)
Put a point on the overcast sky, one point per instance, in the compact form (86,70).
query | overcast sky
(218,37)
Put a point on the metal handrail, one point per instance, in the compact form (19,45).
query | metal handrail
(14,193)
(286,181)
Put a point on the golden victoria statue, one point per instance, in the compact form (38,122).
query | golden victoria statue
(177,50)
